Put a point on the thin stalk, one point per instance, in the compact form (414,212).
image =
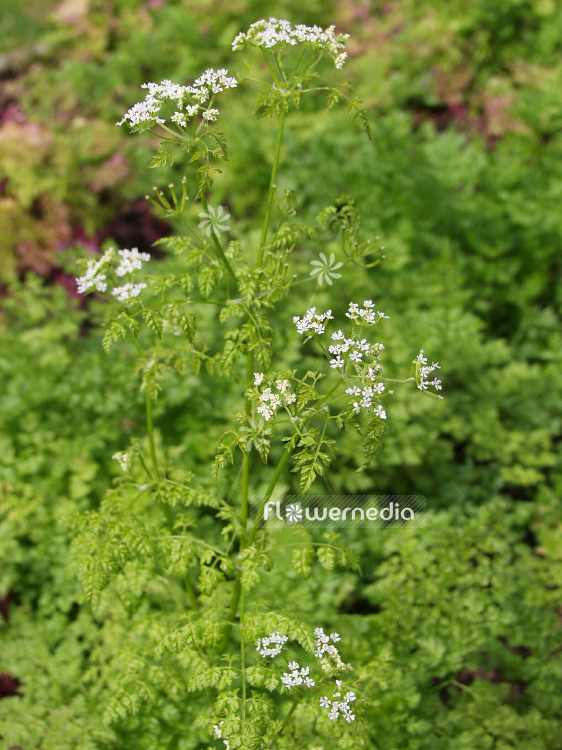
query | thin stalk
(242,666)
(276,155)
(289,714)
(237,590)
(269,491)
(191,593)
(246,458)
(217,244)
(149,423)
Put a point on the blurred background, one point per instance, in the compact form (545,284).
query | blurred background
(457,626)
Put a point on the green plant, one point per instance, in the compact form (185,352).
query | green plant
(165,528)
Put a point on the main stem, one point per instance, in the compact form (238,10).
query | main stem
(220,252)
(272,185)
(246,458)
(149,423)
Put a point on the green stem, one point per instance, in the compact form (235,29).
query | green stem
(269,491)
(242,666)
(272,186)
(191,592)
(289,714)
(150,429)
(237,590)
(217,244)
(149,423)
(246,458)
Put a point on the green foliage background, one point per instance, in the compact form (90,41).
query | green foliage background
(455,628)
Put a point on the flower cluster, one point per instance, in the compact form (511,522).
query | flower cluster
(341,706)
(217,728)
(422,370)
(354,349)
(123,459)
(127,291)
(94,280)
(131,260)
(270,401)
(189,100)
(263,645)
(312,321)
(278,34)
(297,676)
(370,390)
(325,648)
(366,314)
(324,643)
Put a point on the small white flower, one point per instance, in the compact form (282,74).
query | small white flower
(131,260)
(147,113)
(180,119)
(258,378)
(280,34)
(271,645)
(127,291)
(94,279)
(210,115)
(422,372)
(123,459)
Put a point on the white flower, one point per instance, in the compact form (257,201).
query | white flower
(215,80)
(131,260)
(147,113)
(423,370)
(258,378)
(339,708)
(280,34)
(210,115)
(94,279)
(265,648)
(336,362)
(312,321)
(127,291)
(366,314)
(297,676)
(180,119)
(123,459)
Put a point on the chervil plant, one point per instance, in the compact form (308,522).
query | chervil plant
(178,551)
